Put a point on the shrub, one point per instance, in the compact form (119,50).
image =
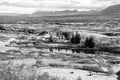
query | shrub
(66,35)
(10,72)
(44,76)
(89,42)
(75,39)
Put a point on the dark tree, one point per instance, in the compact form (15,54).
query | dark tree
(77,38)
(66,35)
(51,39)
(72,40)
(118,74)
(89,42)
(2,27)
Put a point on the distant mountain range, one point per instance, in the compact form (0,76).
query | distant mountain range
(64,13)
(111,10)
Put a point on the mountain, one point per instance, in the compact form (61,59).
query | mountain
(9,14)
(56,13)
(64,13)
(111,10)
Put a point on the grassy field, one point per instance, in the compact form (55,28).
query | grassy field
(60,48)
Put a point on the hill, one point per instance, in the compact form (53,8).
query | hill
(111,10)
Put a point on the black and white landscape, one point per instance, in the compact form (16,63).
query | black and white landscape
(59,40)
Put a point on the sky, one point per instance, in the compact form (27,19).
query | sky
(31,6)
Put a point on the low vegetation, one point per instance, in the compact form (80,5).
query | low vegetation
(80,46)
(22,72)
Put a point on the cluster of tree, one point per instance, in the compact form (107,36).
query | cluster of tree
(66,35)
(75,39)
(89,42)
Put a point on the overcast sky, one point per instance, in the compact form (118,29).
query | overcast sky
(30,6)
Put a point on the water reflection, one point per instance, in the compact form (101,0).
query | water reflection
(72,51)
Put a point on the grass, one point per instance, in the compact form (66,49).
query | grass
(22,72)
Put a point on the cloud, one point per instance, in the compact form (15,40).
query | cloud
(24,6)
(110,2)
(19,10)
